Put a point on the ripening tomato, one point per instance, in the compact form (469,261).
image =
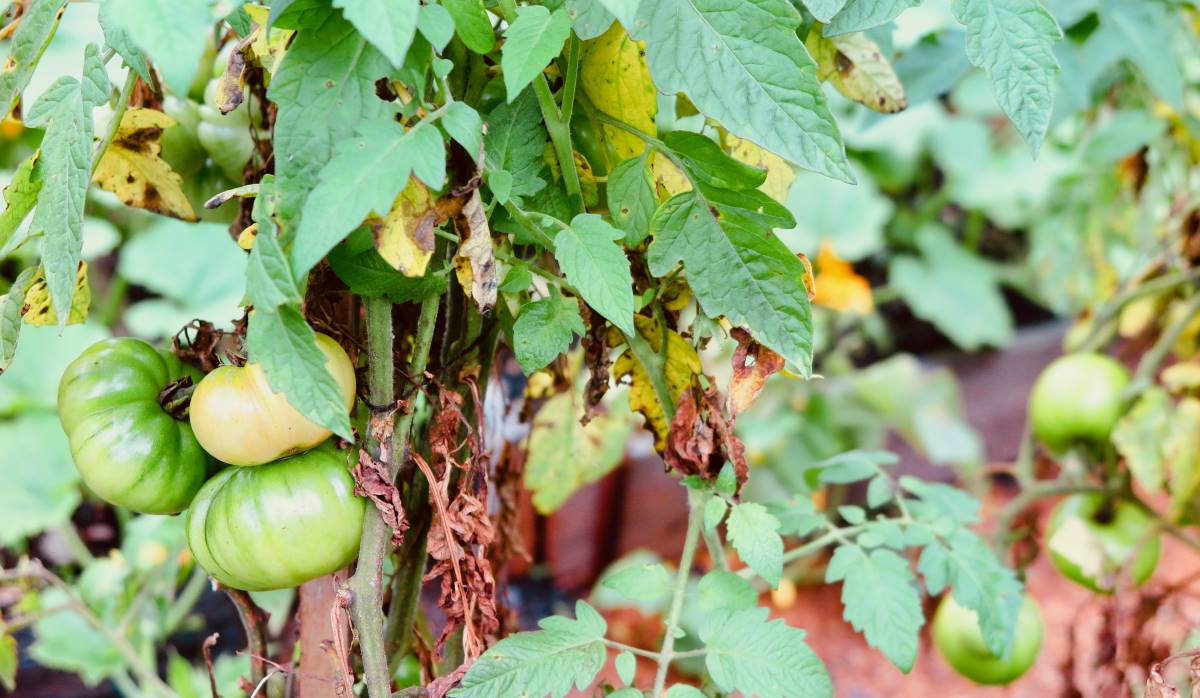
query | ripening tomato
(1077,398)
(959,640)
(128,448)
(240,420)
(277,525)
(1119,535)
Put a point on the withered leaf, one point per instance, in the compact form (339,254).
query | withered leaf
(753,364)
(37,308)
(132,168)
(701,439)
(475,262)
(405,236)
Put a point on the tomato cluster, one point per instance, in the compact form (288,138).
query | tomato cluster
(270,500)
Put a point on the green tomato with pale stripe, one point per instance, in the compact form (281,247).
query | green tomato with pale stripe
(277,525)
(129,449)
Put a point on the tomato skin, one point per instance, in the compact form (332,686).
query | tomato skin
(1077,398)
(240,420)
(130,451)
(1121,529)
(959,640)
(277,525)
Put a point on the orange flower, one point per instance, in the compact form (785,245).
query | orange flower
(839,287)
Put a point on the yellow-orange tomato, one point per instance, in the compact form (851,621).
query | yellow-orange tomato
(240,420)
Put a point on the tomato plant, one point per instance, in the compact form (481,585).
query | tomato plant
(364,287)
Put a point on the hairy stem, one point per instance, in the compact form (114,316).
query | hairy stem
(667,653)
(367,583)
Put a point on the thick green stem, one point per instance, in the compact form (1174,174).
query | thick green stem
(667,653)
(367,583)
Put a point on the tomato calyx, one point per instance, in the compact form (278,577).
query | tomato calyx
(176,398)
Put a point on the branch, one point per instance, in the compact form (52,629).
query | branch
(254,623)
(667,653)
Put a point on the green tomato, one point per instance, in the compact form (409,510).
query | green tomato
(1102,539)
(240,420)
(128,449)
(959,640)
(408,674)
(277,525)
(1077,398)
(586,137)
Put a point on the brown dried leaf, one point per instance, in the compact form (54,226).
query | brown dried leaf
(133,169)
(753,364)
(475,262)
(701,438)
(595,348)
(372,478)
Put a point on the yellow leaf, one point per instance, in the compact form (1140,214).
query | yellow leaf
(780,174)
(1188,343)
(475,261)
(267,48)
(669,180)
(1182,377)
(839,287)
(132,169)
(404,237)
(857,68)
(1139,315)
(38,310)
(615,77)
(682,366)
(246,237)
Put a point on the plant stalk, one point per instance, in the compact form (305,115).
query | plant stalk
(367,584)
(667,653)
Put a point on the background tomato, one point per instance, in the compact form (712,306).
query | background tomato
(277,525)
(1104,539)
(240,420)
(1077,398)
(128,449)
(959,640)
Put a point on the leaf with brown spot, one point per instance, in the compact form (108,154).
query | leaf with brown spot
(682,366)
(405,236)
(230,92)
(701,439)
(753,364)
(38,310)
(857,68)
(133,169)
(475,262)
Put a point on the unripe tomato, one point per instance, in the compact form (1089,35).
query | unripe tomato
(1077,398)
(959,640)
(277,525)
(128,449)
(1123,532)
(240,420)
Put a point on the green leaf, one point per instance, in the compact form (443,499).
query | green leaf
(1142,433)
(530,43)
(38,24)
(172,34)
(10,317)
(367,274)
(565,455)
(742,64)
(725,591)
(939,499)
(714,513)
(118,38)
(859,15)
(852,466)
(21,195)
(682,690)
(747,276)
(597,267)
(589,18)
(514,144)
(1013,41)
(640,582)
(855,65)
(754,534)
(953,289)
(631,199)
(472,23)
(626,665)
(66,641)
(286,347)
(546,662)
(31,382)
(436,25)
(881,600)
(706,162)
(325,88)
(9,661)
(463,124)
(366,174)
(269,280)
(879,491)
(388,24)
(65,111)
(41,484)
(1141,32)
(546,329)
(979,582)
(756,657)
(517,279)
(824,10)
